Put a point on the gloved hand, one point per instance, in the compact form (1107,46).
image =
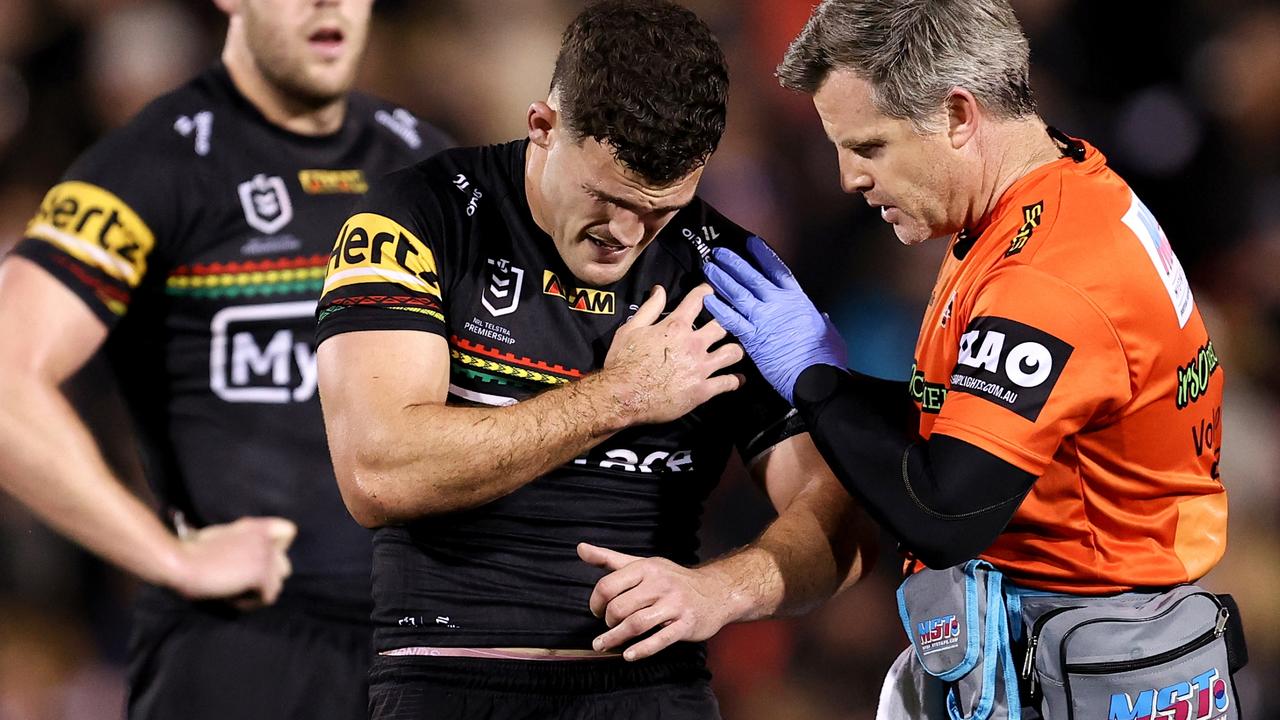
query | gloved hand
(773,319)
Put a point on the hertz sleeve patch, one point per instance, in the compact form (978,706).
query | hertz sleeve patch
(374,249)
(97,228)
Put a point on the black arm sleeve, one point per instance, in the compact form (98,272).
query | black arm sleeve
(945,500)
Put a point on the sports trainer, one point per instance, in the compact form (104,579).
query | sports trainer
(532,438)
(1066,397)
(192,243)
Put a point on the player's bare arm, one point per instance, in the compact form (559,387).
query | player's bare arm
(401,453)
(819,544)
(50,462)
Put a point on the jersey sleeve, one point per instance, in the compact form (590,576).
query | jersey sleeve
(1037,361)
(101,229)
(759,418)
(384,272)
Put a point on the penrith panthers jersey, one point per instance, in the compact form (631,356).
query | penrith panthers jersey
(199,233)
(450,247)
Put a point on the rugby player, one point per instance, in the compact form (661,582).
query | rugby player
(1066,397)
(532,438)
(191,244)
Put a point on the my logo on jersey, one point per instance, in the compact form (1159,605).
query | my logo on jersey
(1203,697)
(1031,220)
(97,228)
(374,249)
(1193,378)
(596,302)
(266,203)
(1011,364)
(252,359)
(332,182)
(501,294)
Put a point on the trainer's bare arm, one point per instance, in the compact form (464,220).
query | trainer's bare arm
(400,453)
(819,544)
(50,462)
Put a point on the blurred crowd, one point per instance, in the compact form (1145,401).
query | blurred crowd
(1183,97)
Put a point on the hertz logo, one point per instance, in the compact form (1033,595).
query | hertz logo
(596,302)
(95,227)
(331,182)
(374,249)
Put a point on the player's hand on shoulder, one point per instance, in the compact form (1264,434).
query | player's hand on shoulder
(641,595)
(244,561)
(661,369)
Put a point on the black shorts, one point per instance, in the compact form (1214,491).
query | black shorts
(427,688)
(209,661)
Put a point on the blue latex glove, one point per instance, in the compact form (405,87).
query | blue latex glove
(772,318)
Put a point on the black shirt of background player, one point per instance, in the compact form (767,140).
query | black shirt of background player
(199,233)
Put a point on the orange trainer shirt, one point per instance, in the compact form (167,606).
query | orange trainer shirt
(1066,341)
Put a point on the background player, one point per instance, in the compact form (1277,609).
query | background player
(484,415)
(192,242)
(1061,347)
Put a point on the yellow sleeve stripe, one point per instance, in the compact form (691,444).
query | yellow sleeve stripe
(96,227)
(86,251)
(358,275)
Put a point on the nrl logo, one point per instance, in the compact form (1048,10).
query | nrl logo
(266,203)
(501,294)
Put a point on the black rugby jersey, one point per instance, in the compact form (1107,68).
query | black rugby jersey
(199,234)
(450,247)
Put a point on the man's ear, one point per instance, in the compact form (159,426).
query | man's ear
(542,120)
(963,117)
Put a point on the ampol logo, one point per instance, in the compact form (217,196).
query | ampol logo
(1203,697)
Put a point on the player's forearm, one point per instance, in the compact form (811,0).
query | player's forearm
(433,458)
(819,545)
(50,463)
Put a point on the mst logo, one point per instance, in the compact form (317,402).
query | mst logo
(938,634)
(1202,697)
(596,302)
(253,359)
(1011,364)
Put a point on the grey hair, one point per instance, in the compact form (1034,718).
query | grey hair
(914,52)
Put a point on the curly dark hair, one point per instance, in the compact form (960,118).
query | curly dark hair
(647,78)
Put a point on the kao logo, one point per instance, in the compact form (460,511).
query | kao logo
(938,634)
(252,359)
(266,203)
(501,294)
(1009,363)
(1203,697)
(587,300)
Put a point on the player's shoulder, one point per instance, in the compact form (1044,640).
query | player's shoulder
(699,227)
(398,127)
(165,137)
